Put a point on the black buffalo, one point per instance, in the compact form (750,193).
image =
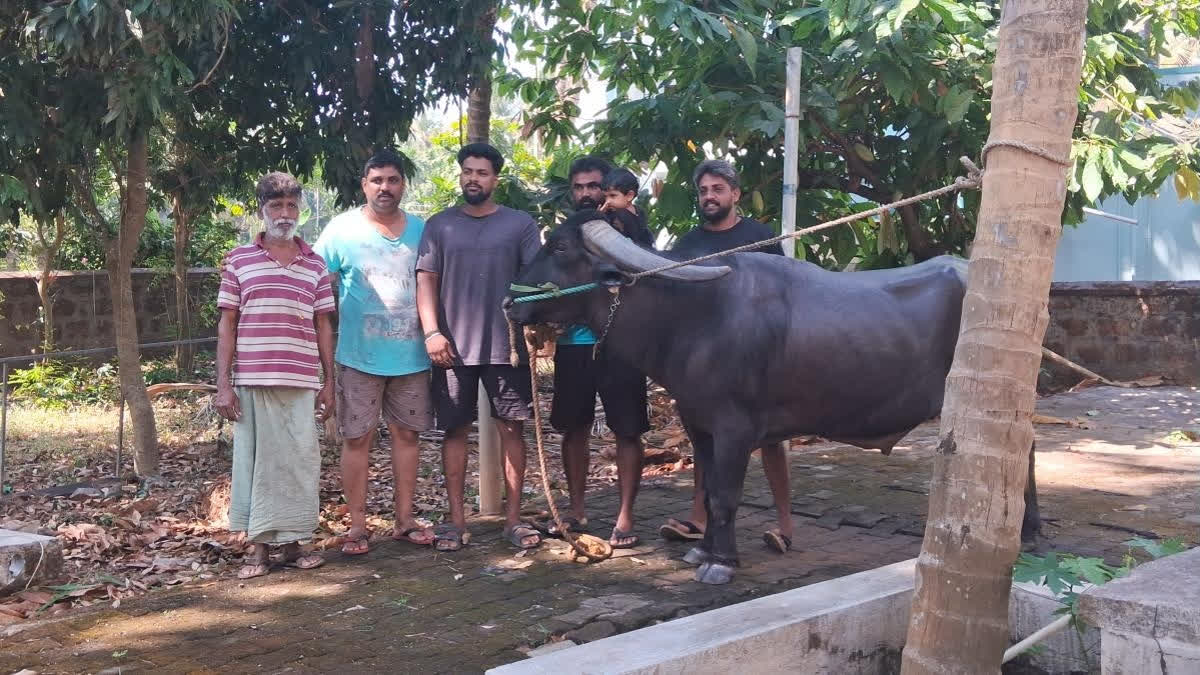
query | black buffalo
(757,349)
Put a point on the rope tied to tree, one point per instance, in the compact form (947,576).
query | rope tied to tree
(1018,145)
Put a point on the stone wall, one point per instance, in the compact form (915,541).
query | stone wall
(83,308)
(1125,330)
(1121,330)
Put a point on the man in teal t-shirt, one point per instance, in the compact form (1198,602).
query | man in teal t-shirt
(382,364)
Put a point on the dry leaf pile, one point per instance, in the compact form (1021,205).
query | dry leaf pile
(118,542)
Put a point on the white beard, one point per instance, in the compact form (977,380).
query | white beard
(281,229)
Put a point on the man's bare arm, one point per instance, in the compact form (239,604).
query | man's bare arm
(441,352)
(325,399)
(227,403)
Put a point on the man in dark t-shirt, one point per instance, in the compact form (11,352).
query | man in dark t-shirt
(468,256)
(723,228)
(710,238)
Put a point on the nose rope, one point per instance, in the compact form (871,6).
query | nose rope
(552,293)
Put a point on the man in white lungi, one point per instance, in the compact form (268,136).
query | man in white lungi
(274,339)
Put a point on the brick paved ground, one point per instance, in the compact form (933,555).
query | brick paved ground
(404,609)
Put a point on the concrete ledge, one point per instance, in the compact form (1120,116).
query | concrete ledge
(1150,620)
(26,558)
(1032,606)
(855,624)
(1158,599)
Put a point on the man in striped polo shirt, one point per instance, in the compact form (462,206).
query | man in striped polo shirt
(274,332)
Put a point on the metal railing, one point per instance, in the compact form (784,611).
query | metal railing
(8,361)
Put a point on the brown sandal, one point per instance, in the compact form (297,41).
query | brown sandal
(295,557)
(451,535)
(357,545)
(254,567)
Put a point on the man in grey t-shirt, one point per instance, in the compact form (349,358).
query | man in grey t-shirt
(468,256)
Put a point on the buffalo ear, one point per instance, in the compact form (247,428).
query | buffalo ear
(608,275)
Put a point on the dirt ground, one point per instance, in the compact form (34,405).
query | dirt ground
(1124,466)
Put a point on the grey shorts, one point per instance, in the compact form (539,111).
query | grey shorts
(403,400)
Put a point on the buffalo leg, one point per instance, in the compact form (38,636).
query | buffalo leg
(731,454)
(1031,524)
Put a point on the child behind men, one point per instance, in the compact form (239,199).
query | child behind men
(620,189)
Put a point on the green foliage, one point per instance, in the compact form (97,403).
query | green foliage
(529,181)
(310,82)
(1064,573)
(893,93)
(62,384)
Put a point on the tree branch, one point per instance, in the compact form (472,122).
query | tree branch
(208,77)
(84,192)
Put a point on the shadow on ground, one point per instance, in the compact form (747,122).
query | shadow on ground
(403,608)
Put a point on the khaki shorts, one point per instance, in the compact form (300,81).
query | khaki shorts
(403,400)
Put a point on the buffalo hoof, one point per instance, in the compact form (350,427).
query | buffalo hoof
(696,556)
(714,573)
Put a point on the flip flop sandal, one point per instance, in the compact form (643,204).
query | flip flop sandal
(253,569)
(518,534)
(777,541)
(550,529)
(406,535)
(307,561)
(450,534)
(621,539)
(680,530)
(358,545)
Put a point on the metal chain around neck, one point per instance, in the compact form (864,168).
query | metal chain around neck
(612,312)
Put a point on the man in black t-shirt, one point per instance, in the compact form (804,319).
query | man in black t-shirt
(722,228)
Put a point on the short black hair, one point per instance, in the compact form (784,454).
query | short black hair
(719,168)
(621,179)
(588,163)
(483,150)
(276,185)
(384,158)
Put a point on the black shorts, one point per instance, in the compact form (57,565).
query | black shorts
(577,380)
(456,393)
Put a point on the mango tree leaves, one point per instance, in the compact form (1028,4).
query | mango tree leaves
(908,81)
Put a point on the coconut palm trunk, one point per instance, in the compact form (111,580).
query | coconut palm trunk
(959,620)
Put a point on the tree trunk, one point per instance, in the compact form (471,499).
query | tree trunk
(479,100)
(120,252)
(964,574)
(49,251)
(183,313)
(479,111)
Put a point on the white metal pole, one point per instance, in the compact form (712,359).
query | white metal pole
(491,471)
(791,146)
(791,155)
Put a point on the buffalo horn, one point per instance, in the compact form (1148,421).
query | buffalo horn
(601,239)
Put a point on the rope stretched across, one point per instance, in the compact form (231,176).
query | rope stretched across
(973,180)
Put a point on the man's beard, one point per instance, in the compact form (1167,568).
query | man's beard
(586,203)
(476,198)
(281,229)
(716,216)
